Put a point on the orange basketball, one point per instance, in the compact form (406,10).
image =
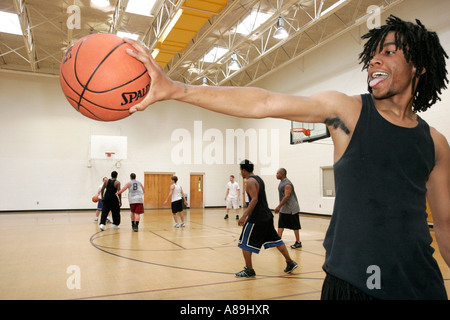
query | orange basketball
(100,79)
(95,198)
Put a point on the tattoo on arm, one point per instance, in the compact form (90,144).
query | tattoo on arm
(337,123)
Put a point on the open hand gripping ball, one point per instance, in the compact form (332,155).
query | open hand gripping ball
(100,79)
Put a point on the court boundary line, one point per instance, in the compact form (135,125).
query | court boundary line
(237,280)
(290,276)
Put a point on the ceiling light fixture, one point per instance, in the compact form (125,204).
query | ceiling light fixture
(281,32)
(234,64)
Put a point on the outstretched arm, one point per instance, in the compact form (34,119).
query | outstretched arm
(338,111)
(245,102)
(125,187)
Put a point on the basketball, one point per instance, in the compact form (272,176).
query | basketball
(100,80)
(95,198)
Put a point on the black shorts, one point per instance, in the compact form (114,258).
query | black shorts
(256,235)
(177,206)
(289,221)
(336,289)
(111,204)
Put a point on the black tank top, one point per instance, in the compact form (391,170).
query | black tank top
(111,190)
(261,213)
(379,230)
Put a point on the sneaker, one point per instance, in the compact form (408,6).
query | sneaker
(107,220)
(246,273)
(102,227)
(135,228)
(296,245)
(182,224)
(226,216)
(176,225)
(290,266)
(114,226)
(96,220)
(237,217)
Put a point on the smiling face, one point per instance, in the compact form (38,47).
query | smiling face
(389,72)
(424,55)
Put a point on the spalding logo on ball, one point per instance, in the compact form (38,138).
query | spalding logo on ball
(100,79)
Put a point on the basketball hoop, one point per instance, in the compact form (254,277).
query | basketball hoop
(109,154)
(306,132)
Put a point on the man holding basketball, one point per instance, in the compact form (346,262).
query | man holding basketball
(383,180)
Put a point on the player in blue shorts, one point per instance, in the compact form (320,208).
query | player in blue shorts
(258,224)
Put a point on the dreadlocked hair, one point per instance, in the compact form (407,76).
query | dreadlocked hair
(422,48)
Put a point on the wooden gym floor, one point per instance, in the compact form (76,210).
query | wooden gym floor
(46,255)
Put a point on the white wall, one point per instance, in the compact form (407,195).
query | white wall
(45,147)
(45,144)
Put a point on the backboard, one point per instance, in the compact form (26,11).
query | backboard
(108,147)
(311,132)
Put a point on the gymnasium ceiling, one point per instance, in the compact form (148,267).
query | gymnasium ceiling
(182,32)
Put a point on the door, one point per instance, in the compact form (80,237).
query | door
(196,191)
(156,190)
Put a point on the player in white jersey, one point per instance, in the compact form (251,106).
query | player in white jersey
(136,199)
(100,202)
(177,195)
(232,196)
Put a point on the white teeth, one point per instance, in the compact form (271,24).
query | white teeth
(379,74)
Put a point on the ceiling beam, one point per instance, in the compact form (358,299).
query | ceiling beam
(119,10)
(237,44)
(25,25)
(322,41)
